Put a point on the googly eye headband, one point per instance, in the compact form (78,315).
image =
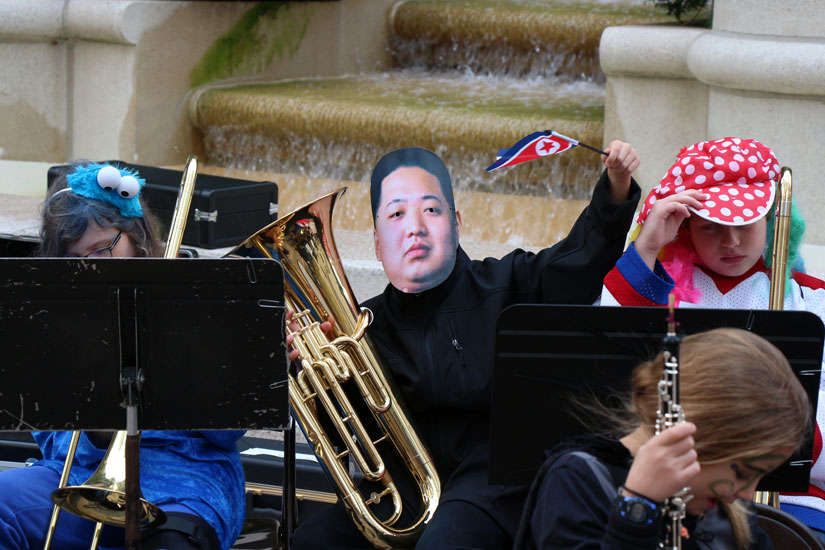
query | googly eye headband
(739,175)
(118,187)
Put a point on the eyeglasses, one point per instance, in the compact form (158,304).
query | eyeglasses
(106,251)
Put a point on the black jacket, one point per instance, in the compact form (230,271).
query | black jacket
(439,344)
(570,506)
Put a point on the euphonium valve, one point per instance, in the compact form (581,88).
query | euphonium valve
(335,367)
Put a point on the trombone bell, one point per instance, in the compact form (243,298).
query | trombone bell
(102,497)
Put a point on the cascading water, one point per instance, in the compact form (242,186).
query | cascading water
(463,117)
(520,38)
(471,78)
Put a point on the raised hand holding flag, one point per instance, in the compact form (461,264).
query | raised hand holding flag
(537,145)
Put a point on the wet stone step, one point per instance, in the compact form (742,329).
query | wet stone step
(338,127)
(516,37)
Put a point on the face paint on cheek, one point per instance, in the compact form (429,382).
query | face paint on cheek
(764,463)
(750,478)
(721,488)
(761,465)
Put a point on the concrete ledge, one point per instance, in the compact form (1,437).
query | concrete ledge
(102,21)
(112,21)
(33,20)
(759,63)
(659,51)
(770,17)
(27,179)
(739,61)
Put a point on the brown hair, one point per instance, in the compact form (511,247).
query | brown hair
(741,393)
(737,388)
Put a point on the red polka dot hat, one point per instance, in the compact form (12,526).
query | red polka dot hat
(739,175)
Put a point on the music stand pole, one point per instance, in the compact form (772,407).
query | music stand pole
(289,504)
(132,480)
(131,382)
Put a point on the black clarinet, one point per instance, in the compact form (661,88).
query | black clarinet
(669,413)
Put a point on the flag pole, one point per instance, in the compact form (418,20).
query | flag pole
(586,146)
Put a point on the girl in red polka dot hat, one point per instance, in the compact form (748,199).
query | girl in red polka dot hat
(705,234)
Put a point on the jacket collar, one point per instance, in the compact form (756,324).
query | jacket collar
(422,302)
(726,284)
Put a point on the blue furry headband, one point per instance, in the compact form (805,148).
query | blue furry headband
(118,187)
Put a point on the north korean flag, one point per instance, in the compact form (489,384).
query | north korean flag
(536,145)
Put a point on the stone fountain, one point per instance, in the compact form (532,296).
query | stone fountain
(466,79)
(150,81)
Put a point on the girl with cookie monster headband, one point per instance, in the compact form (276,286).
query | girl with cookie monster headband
(705,233)
(196,477)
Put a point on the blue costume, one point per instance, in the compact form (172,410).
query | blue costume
(198,473)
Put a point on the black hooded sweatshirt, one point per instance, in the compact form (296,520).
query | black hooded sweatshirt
(439,344)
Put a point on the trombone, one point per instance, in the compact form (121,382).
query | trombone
(779,262)
(104,497)
(781,236)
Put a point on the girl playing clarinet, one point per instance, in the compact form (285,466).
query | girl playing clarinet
(607,491)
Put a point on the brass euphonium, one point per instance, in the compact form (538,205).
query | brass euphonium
(102,497)
(318,290)
(779,263)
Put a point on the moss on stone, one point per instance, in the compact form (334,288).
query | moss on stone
(267,30)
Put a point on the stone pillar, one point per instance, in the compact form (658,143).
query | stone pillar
(651,99)
(33,87)
(764,64)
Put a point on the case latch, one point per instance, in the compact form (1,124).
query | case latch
(206,216)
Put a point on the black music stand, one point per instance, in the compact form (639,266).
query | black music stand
(190,345)
(546,354)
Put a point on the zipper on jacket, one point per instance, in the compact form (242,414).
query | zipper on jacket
(456,344)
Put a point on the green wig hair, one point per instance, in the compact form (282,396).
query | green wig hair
(796,233)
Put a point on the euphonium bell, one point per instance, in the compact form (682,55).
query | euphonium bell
(102,497)
(318,290)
